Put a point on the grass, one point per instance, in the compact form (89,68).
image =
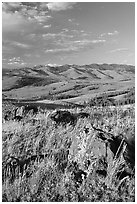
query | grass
(68,150)
(109,99)
(46,82)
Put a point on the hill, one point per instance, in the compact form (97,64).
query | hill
(84,153)
(67,83)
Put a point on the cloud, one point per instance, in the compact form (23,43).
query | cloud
(53,65)
(10,48)
(22,6)
(70,20)
(11,7)
(88,42)
(36,12)
(70,41)
(58,6)
(109,34)
(82,33)
(98,41)
(119,50)
(75,46)
(47,26)
(20,45)
(15,43)
(50,37)
(57,50)
(79,43)
(114,33)
(60,35)
(15,60)
(42,18)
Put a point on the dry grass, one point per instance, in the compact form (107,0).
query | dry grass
(68,150)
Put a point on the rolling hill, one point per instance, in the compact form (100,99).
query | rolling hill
(67,83)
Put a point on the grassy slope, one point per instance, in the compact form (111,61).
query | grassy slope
(47,181)
(71,82)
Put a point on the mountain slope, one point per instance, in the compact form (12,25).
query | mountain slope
(71,82)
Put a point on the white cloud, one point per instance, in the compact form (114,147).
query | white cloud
(43,6)
(102,34)
(83,42)
(74,46)
(49,35)
(42,18)
(109,34)
(15,12)
(119,50)
(98,41)
(113,33)
(58,6)
(10,6)
(47,26)
(53,65)
(32,12)
(56,35)
(16,60)
(13,47)
(57,50)
(21,45)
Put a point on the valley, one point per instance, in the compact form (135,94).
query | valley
(67,83)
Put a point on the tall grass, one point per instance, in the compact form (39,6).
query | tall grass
(68,150)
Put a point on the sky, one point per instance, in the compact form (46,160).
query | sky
(56,33)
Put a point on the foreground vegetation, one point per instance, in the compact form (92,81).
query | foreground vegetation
(75,167)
